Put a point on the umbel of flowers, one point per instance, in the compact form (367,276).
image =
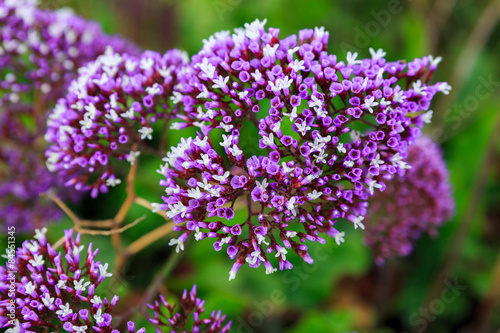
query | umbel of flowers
(416,201)
(40,52)
(108,114)
(41,288)
(55,290)
(187,316)
(330,133)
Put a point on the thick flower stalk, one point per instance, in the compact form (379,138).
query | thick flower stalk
(40,52)
(108,114)
(331,132)
(42,289)
(188,316)
(415,202)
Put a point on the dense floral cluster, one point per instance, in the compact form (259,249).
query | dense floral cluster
(40,287)
(108,113)
(188,317)
(40,52)
(331,132)
(415,202)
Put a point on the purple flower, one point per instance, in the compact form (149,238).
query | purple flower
(41,51)
(312,149)
(108,114)
(55,287)
(188,316)
(416,201)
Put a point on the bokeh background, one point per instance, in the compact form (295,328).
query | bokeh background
(448,284)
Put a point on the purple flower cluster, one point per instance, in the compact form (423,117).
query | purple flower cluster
(40,52)
(188,317)
(414,202)
(331,133)
(42,288)
(108,114)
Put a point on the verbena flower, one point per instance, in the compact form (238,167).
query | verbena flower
(55,290)
(40,52)
(108,114)
(187,317)
(415,202)
(330,133)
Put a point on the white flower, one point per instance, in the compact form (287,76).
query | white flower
(292,114)
(262,185)
(376,162)
(340,148)
(223,178)
(195,193)
(61,284)
(236,151)
(243,94)
(434,61)
(38,261)
(65,310)
(154,90)
(179,242)
(220,82)
(96,300)
(39,234)
(15,329)
(132,156)
(146,133)
(355,135)
(372,184)
(398,96)
(47,300)
(98,316)
(339,237)
(292,51)
(397,160)
(297,65)
(351,58)
(281,252)
(30,287)
(103,270)
(314,195)
(418,88)
(112,115)
(291,234)
(112,182)
(357,222)
(444,88)
(290,205)
(80,329)
(207,69)
(147,63)
(427,117)
(128,114)
(257,75)
(268,140)
(369,103)
(379,54)
(270,50)
(80,285)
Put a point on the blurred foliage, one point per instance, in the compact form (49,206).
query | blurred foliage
(343,290)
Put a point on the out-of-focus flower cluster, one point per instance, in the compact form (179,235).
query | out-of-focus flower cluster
(40,52)
(416,201)
(41,288)
(331,133)
(108,114)
(187,317)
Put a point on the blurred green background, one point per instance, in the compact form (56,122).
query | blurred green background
(344,290)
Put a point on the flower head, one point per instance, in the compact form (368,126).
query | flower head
(45,280)
(107,113)
(330,134)
(416,201)
(188,316)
